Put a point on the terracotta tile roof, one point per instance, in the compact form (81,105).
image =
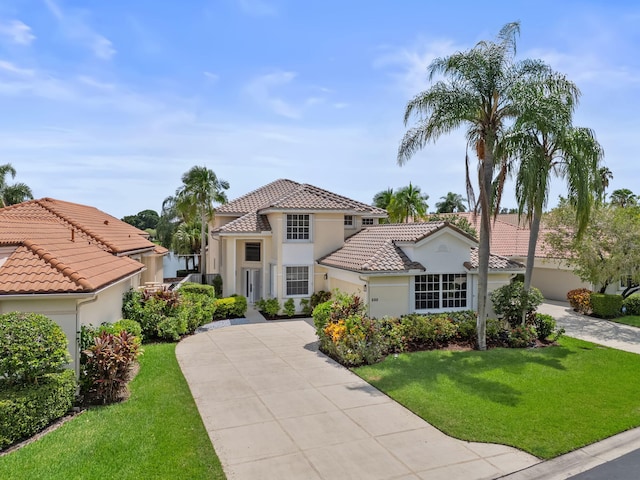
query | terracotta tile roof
(56,253)
(375,249)
(508,237)
(252,222)
(286,195)
(496,262)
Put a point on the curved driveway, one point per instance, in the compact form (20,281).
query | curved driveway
(276,408)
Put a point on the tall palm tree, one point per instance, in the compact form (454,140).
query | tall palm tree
(200,190)
(452,202)
(476,93)
(546,144)
(408,203)
(12,194)
(605,176)
(186,240)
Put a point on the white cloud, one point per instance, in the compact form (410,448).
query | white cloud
(75,27)
(257,7)
(92,82)
(261,90)
(408,65)
(17,32)
(15,70)
(212,77)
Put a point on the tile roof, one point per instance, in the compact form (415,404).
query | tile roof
(61,247)
(496,262)
(509,237)
(375,249)
(285,195)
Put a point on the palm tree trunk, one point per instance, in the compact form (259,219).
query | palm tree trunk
(484,249)
(203,243)
(534,231)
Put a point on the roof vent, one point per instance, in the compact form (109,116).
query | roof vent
(106,222)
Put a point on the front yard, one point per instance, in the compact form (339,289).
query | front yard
(546,401)
(156,433)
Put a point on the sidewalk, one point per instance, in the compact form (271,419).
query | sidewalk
(276,408)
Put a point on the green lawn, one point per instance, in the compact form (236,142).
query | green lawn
(156,434)
(632,320)
(545,401)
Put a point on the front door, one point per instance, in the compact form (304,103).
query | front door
(252,288)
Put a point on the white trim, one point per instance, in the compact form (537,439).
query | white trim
(310,277)
(296,240)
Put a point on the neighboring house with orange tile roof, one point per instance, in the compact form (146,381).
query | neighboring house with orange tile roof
(71,263)
(289,240)
(510,238)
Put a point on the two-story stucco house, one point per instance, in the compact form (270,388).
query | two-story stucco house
(289,240)
(72,263)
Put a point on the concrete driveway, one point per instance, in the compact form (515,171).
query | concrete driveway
(276,408)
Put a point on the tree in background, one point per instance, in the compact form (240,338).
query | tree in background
(452,202)
(12,194)
(608,250)
(145,219)
(605,176)
(623,197)
(476,92)
(200,189)
(408,204)
(186,241)
(383,199)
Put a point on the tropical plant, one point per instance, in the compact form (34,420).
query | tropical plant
(186,240)
(623,197)
(408,204)
(544,143)
(476,92)
(200,189)
(604,176)
(452,202)
(143,220)
(383,199)
(12,194)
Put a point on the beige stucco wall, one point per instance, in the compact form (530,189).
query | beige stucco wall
(389,296)
(555,279)
(154,271)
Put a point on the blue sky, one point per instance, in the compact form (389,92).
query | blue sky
(107,103)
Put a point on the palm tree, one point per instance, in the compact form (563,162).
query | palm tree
(408,203)
(546,143)
(186,240)
(12,194)
(476,93)
(452,202)
(383,199)
(201,188)
(605,175)
(623,197)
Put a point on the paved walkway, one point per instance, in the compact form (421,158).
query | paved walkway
(276,408)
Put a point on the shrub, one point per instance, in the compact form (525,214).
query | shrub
(321,316)
(31,345)
(197,288)
(319,297)
(289,308)
(196,309)
(426,331)
(217,285)
(497,333)
(305,307)
(132,306)
(131,326)
(466,325)
(355,340)
(107,367)
(545,326)
(631,304)
(172,328)
(521,336)
(230,307)
(606,306)
(27,409)
(511,301)
(580,300)
(270,307)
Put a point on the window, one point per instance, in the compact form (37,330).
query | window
(252,252)
(298,227)
(367,221)
(297,280)
(439,291)
(348,221)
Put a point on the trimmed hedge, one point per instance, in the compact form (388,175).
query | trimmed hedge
(27,409)
(190,287)
(632,304)
(606,306)
(230,307)
(31,345)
